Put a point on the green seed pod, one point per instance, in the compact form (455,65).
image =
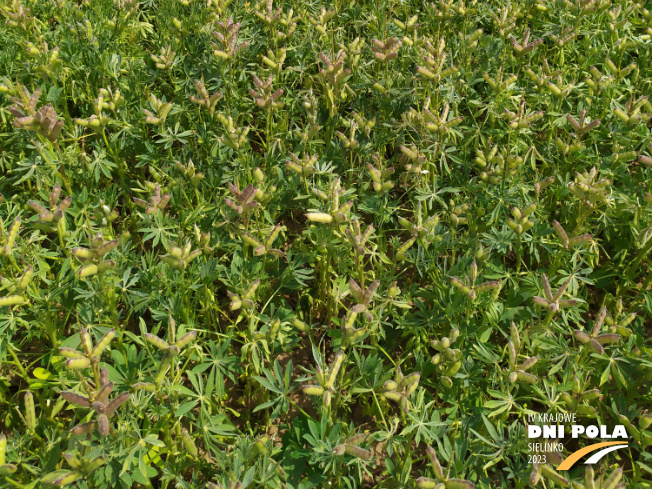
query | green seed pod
(189,443)
(156,341)
(327,398)
(590,395)
(434,461)
(3,448)
(645,421)
(103,424)
(103,343)
(12,300)
(74,398)
(335,368)
(186,339)
(358,452)
(313,390)
(404,405)
(30,413)
(390,385)
(300,325)
(164,367)
(459,484)
(392,395)
(25,279)
(529,363)
(446,381)
(103,394)
(78,363)
(87,271)
(526,377)
(83,429)
(410,380)
(426,483)
(552,474)
(453,369)
(320,217)
(7,469)
(146,386)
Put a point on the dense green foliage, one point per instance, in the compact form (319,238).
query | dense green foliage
(301,245)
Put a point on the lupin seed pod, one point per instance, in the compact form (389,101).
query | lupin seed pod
(30,413)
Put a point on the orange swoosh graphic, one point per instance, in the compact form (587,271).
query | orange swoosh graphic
(575,456)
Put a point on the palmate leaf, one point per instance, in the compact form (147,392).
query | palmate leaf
(279,383)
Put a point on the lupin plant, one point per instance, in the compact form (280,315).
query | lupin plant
(161,110)
(82,467)
(497,166)
(501,82)
(99,402)
(521,120)
(434,62)
(93,258)
(302,166)
(544,75)
(595,340)
(521,222)
(52,219)
(632,115)
(19,16)
(205,99)
(441,123)
(416,158)
(235,137)
(8,236)
(245,300)
(335,213)
(567,242)
(525,46)
(44,121)
(380,177)
(579,399)
(264,97)
(180,258)
(190,173)
(171,349)
(321,22)
(157,202)
(518,370)
(447,359)
(106,99)
(386,51)
(275,59)
(5,468)
(265,246)
(97,388)
(334,75)
(165,59)
(588,188)
(400,389)
(244,201)
(598,82)
(468,287)
(553,303)
(17,288)
(326,380)
(352,447)
(441,480)
(227,37)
